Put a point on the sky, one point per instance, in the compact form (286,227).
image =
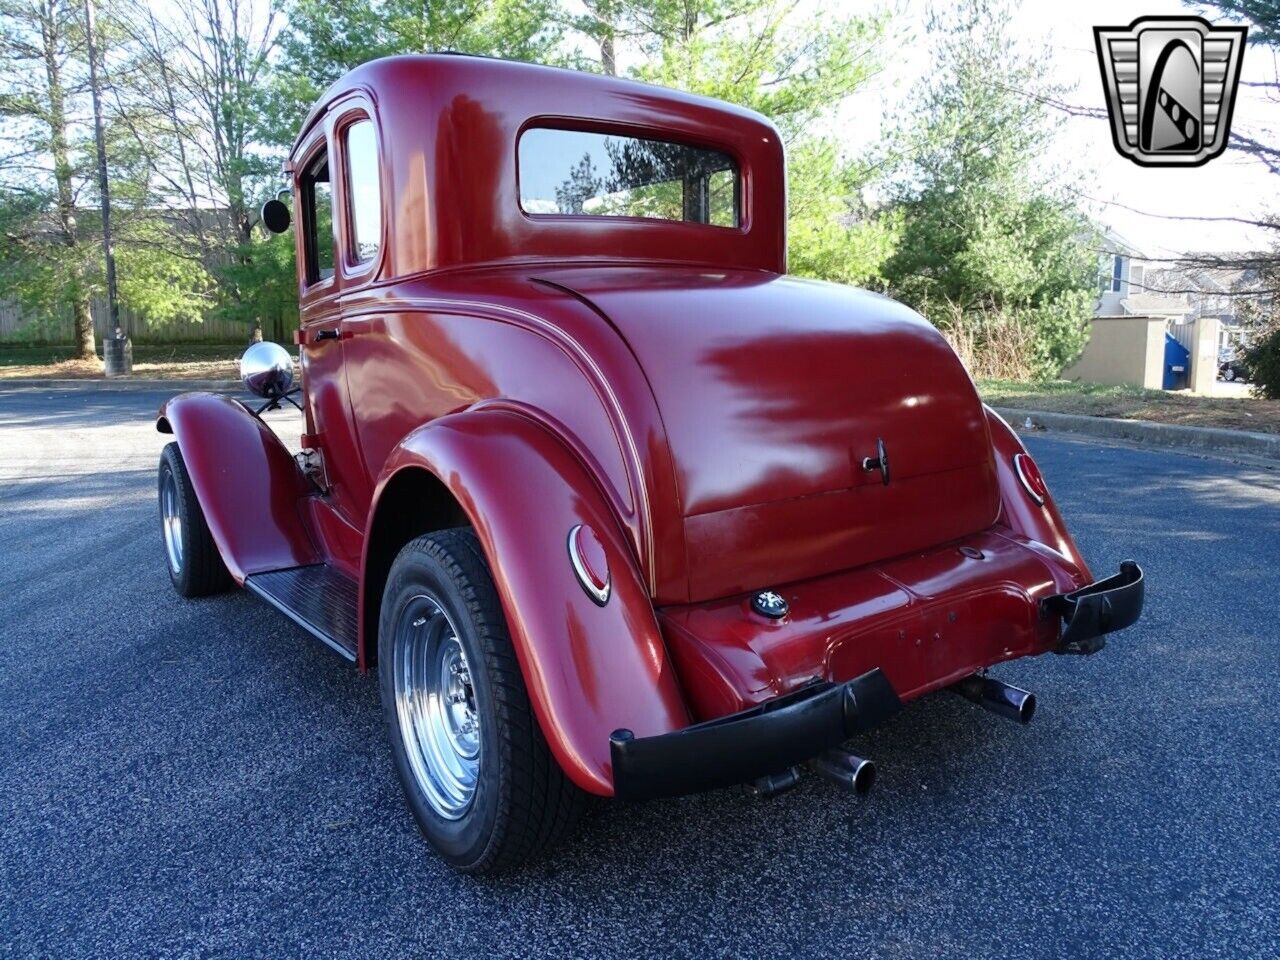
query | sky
(1231,185)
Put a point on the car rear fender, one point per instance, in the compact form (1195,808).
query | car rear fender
(590,669)
(248,484)
(1041,524)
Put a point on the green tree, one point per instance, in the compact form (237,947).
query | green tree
(322,41)
(988,224)
(1262,15)
(832,233)
(600,22)
(45,254)
(795,67)
(318,43)
(189,91)
(187,94)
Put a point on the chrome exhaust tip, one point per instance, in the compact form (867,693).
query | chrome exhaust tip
(846,770)
(998,697)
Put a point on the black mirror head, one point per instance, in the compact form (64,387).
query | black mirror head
(275,216)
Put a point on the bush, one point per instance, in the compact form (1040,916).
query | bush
(1263,360)
(992,345)
(1009,343)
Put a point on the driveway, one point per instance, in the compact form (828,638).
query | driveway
(203,779)
(1237,389)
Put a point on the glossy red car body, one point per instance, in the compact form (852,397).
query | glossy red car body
(662,384)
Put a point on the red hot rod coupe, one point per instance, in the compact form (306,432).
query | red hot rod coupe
(611,504)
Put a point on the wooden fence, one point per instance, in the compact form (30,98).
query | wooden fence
(278,323)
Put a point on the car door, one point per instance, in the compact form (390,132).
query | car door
(329,423)
(384,351)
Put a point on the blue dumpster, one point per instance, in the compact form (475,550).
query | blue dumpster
(1177,364)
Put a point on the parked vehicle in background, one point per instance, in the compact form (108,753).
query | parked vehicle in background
(1232,365)
(611,504)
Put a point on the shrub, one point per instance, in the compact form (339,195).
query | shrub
(992,345)
(1027,343)
(1263,359)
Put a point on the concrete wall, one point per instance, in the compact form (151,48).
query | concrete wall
(1204,354)
(1123,350)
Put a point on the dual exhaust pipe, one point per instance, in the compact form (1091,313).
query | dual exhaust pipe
(844,769)
(847,771)
(997,696)
(856,775)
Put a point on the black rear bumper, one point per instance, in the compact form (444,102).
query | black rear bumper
(1100,608)
(762,740)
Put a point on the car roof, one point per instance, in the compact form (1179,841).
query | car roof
(448,129)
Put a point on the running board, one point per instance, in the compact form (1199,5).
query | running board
(319,598)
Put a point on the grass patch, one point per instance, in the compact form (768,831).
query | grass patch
(1134,403)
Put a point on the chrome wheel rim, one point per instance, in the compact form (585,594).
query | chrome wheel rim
(171,521)
(436,706)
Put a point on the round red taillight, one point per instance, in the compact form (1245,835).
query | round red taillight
(1032,480)
(590,564)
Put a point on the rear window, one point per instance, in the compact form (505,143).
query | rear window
(574,173)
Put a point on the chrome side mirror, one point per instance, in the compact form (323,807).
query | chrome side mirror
(267,370)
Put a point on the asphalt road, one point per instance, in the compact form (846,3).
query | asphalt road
(202,779)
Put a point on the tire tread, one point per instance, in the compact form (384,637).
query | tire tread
(538,804)
(204,572)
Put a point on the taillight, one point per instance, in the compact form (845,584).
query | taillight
(1029,475)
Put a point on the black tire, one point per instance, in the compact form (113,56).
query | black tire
(196,569)
(522,803)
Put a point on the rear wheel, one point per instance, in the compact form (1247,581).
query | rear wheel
(195,566)
(475,768)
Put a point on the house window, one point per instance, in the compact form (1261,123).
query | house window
(577,173)
(1137,274)
(1117,273)
(364,198)
(317,219)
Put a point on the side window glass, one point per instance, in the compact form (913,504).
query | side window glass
(363,192)
(317,202)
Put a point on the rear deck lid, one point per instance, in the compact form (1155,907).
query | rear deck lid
(773,391)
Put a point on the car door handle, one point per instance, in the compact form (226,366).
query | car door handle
(328,335)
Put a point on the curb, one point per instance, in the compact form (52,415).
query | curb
(88,383)
(1170,436)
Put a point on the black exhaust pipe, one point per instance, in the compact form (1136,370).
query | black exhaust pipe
(846,770)
(773,784)
(998,697)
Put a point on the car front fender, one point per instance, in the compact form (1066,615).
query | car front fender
(589,669)
(248,484)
